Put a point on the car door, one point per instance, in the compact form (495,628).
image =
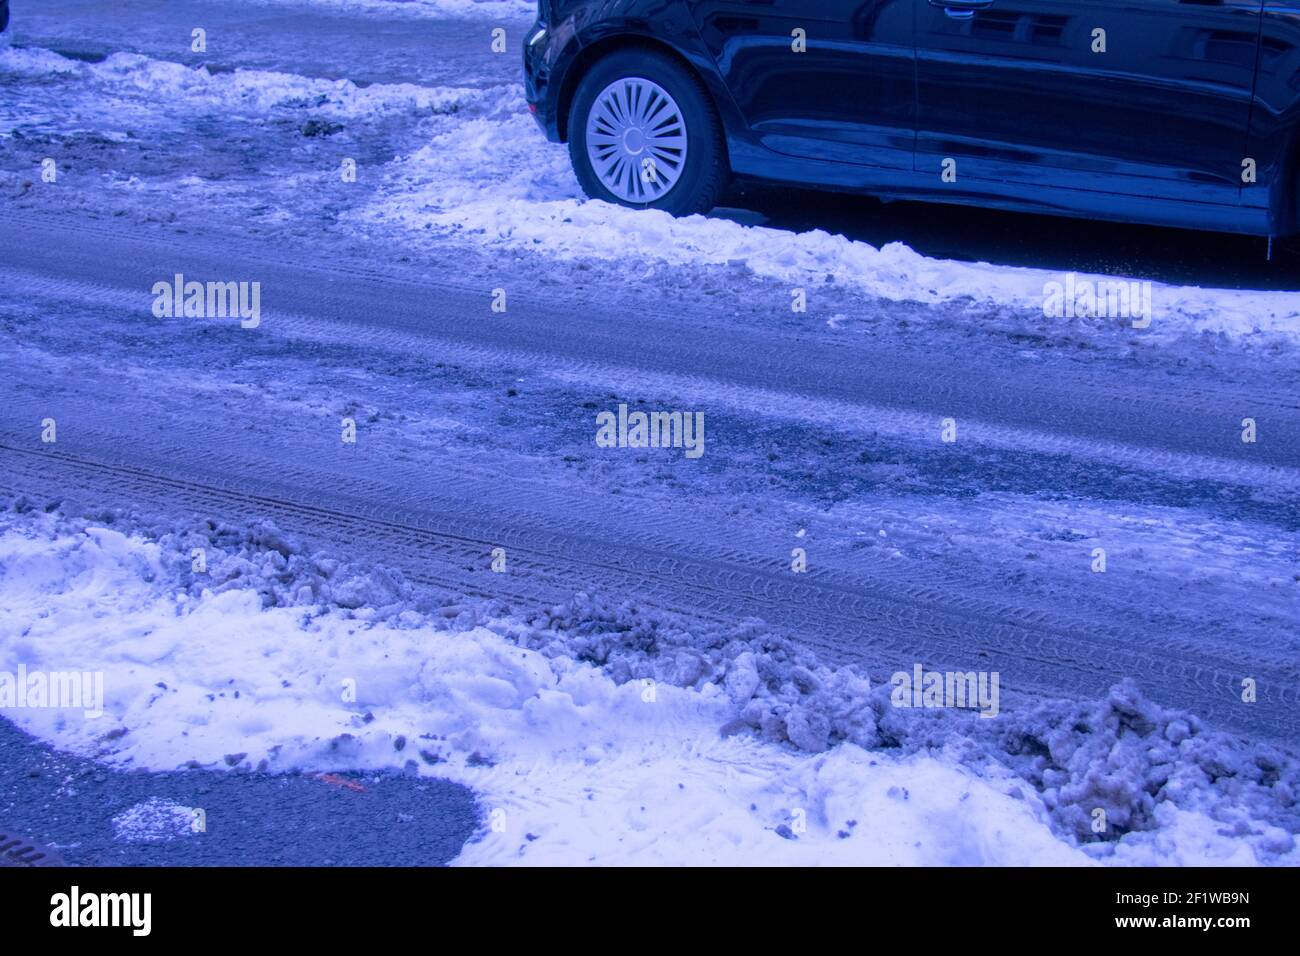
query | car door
(1145,97)
(1275,116)
(824,79)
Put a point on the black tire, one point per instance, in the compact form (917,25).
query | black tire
(705,174)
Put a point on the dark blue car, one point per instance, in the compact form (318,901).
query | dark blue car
(1177,112)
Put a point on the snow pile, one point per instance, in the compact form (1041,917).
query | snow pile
(775,687)
(258,558)
(1125,756)
(494,174)
(155,821)
(1137,761)
(497,179)
(595,734)
(241,92)
(214,557)
(436,9)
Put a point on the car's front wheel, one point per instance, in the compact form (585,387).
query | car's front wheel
(643,133)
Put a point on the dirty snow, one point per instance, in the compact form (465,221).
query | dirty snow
(439,9)
(476,168)
(595,734)
(496,179)
(171,86)
(598,732)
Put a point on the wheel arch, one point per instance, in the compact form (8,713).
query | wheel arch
(598,49)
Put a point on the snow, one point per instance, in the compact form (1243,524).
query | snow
(156,820)
(608,733)
(586,744)
(497,179)
(484,173)
(1167,549)
(437,9)
(176,86)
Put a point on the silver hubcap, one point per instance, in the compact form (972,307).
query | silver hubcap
(636,140)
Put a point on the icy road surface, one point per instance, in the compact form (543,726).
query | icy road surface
(475,428)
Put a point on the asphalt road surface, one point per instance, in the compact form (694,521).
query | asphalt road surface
(798,426)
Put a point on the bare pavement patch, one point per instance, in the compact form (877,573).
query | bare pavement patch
(94,815)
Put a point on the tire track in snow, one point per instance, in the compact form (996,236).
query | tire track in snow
(676,559)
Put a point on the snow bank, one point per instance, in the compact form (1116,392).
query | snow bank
(497,179)
(486,174)
(591,733)
(437,9)
(1131,759)
(166,85)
